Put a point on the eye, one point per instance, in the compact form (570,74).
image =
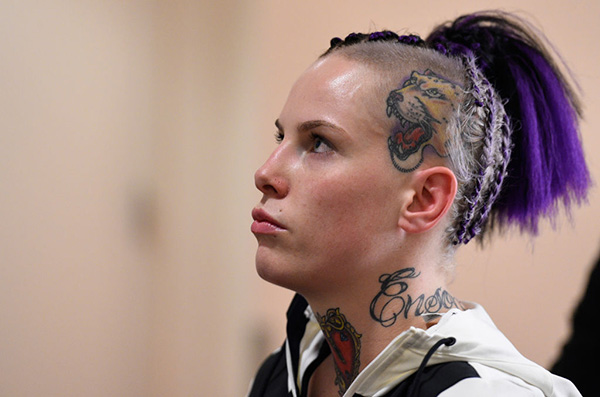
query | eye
(319,144)
(433,93)
(278,137)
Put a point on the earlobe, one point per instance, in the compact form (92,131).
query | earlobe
(431,197)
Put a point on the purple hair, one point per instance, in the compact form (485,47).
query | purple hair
(547,164)
(529,159)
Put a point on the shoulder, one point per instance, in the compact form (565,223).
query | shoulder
(491,382)
(434,380)
(271,378)
(464,379)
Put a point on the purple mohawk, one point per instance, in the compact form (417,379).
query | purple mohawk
(547,165)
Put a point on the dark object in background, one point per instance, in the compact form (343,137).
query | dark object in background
(578,361)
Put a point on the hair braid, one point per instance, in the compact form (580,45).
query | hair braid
(384,35)
(547,165)
(504,152)
(492,132)
(509,177)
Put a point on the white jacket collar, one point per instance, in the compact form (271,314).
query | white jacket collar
(477,340)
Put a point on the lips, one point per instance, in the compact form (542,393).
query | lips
(264,223)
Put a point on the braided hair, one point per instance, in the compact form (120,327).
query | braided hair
(514,143)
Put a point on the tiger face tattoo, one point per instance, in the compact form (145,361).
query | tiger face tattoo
(421,108)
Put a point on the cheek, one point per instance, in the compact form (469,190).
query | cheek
(354,205)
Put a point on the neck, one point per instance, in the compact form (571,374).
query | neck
(360,323)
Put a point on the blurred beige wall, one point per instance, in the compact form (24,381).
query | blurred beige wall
(129,135)
(77,122)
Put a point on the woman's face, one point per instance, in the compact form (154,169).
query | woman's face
(331,195)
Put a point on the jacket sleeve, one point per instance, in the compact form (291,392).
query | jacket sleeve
(491,383)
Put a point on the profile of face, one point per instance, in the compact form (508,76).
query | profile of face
(331,196)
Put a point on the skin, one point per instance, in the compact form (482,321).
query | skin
(312,185)
(343,215)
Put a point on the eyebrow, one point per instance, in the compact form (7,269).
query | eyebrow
(312,124)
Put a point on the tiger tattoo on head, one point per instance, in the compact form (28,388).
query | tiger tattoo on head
(422,108)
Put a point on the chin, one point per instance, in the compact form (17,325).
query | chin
(273,273)
(278,272)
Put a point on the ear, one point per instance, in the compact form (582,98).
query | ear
(431,195)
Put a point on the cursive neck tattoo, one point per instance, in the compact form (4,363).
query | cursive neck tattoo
(392,301)
(344,342)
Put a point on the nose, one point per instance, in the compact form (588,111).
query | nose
(271,178)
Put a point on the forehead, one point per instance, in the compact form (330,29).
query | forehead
(337,90)
(336,74)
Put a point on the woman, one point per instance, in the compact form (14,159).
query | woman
(393,151)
